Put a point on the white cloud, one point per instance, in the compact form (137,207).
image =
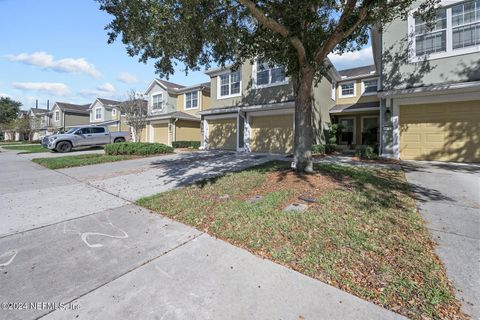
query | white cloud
(106,90)
(127,78)
(5,95)
(55,88)
(47,61)
(352,59)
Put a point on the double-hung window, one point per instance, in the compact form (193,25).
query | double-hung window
(157,101)
(347,89)
(370,86)
(230,84)
(466,24)
(455,30)
(98,113)
(114,112)
(57,115)
(267,75)
(191,100)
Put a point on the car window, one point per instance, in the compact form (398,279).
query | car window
(98,130)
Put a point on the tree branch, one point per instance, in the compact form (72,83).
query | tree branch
(338,35)
(276,27)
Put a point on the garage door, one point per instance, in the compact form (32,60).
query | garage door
(272,133)
(160,133)
(222,134)
(442,131)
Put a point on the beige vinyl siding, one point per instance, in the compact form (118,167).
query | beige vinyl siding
(441,131)
(272,133)
(222,134)
(206,101)
(76,119)
(145,134)
(187,130)
(358,94)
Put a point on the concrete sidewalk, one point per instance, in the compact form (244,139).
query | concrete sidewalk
(66,241)
(449,200)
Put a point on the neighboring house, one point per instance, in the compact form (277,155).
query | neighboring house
(39,122)
(430,98)
(252,109)
(357,106)
(106,112)
(14,134)
(65,115)
(173,111)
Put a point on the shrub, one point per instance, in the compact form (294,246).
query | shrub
(318,149)
(137,148)
(330,148)
(366,152)
(186,144)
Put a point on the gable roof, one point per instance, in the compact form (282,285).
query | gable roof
(75,108)
(38,110)
(358,72)
(108,102)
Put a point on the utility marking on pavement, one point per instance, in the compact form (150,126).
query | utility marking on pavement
(13,252)
(84,235)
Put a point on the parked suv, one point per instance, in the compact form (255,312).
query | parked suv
(87,136)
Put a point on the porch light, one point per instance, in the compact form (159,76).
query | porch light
(388,114)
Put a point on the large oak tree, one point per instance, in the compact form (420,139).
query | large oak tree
(297,34)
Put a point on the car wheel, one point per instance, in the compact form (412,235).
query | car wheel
(64,146)
(119,140)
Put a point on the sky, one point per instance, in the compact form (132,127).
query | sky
(58,50)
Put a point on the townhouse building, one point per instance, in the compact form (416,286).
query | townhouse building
(173,111)
(430,84)
(108,113)
(65,115)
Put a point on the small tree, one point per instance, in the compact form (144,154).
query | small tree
(9,110)
(296,34)
(24,126)
(136,112)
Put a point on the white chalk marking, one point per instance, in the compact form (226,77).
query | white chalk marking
(11,252)
(85,235)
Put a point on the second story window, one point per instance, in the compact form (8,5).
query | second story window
(347,89)
(98,114)
(455,30)
(114,112)
(57,115)
(191,100)
(230,84)
(370,86)
(269,75)
(157,101)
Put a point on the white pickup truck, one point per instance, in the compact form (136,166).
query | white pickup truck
(87,136)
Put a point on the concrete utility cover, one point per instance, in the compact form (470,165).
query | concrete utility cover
(255,199)
(296,207)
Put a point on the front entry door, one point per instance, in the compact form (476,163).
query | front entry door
(348,132)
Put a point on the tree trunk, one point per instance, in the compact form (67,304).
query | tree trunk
(303,121)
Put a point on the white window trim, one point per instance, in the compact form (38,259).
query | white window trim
(185,101)
(219,85)
(450,52)
(57,115)
(101,113)
(114,112)
(348,95)
(370,93)
(152,101)
(254,78)
(354,128)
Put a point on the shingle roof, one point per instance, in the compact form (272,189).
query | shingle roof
(38,110)
(170,85)
(355,72)
(73,107)
(354,107)
(108,101)
(176,114)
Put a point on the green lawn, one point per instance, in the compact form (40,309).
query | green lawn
(13,142)
(364,234)
(77,161)
(27,148)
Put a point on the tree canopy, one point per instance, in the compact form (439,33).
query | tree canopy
(9,110)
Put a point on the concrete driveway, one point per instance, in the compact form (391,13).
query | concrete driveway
(449,200)
(73,246)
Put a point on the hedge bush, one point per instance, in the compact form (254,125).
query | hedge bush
(318,149)
(137,148)
(366,152)
(186,144)
(330,148)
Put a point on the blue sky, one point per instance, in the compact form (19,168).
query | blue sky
(57,50)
